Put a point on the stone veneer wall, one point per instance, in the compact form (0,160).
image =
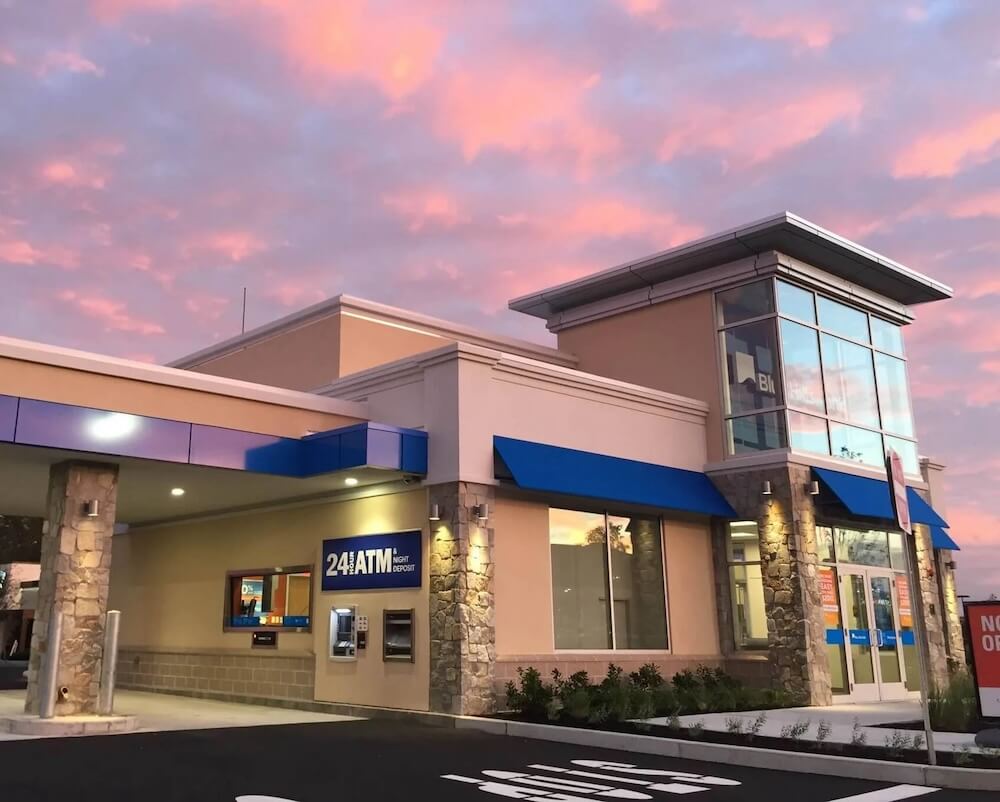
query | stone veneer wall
(789,560)
(75,570)
(221,675)
(462,631)
(933,607)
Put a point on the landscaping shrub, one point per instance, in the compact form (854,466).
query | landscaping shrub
(953,708)
(643,694)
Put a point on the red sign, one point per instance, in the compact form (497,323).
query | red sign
(828,592)
(905,611)
(897,480)
(984,637)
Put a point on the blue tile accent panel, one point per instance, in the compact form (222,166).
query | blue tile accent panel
(908,638)
(552,469)
(888,637)
(940,539)
(8,417)
(860,637)
(835,637)
(44,423)
(66,426)
(871,498)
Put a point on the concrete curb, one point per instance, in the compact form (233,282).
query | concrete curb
(749,756)
(67,726)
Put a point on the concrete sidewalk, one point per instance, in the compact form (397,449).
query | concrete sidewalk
(841,719)
(159,712)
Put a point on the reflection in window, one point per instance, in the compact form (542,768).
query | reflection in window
(279,599)
(640,604)
(893,395)
(745,302)
(842,319)
(580,543)
(887,336)
(849,376)
(752,367)
(803,378)
(857,445)
(795,302)
(746,586)
(754,433)
(580,595)
(907,450)
(862,548)
(808,434)
(824,544)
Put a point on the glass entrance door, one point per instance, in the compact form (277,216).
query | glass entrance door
(871,634)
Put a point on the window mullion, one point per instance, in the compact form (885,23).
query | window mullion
(611,582)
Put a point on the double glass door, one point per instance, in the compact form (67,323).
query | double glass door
(872,634)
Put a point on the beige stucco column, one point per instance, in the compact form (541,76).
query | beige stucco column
(76,567)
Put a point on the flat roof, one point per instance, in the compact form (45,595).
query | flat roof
(785,232)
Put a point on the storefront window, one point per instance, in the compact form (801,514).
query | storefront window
(803,377)
(857,445)
(862,548)
(808,434)
(753,433)
(796,302)
(269,599)
(893,395)
(849,376)
(585,592)
(843,320)
(752,367)
(746,586)
(907,450)
(745,302)
(887,336)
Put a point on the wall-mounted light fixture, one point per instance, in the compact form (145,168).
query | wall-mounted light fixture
(765,488)
(435,513)
(92,508)
(951,565)
(813,487)
(482,513)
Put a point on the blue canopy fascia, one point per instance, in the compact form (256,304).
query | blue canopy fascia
(47,424)
(940,539)
(566,471)
(872,498)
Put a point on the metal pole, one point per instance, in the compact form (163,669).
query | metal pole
(920,632)
(47,689)
(109,664)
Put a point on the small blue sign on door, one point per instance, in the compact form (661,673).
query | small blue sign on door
(373,562)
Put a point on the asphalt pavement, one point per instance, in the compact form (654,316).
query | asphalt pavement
(375,760)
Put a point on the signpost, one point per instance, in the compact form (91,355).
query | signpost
(901,508)
(983,618)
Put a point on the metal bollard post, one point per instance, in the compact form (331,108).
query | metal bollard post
(109,664)
(47,687)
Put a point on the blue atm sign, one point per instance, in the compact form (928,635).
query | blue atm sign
(373,562)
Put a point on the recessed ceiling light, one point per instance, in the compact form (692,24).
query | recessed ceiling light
(350,481)
(177,491)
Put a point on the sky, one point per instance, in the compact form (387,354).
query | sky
(157,156)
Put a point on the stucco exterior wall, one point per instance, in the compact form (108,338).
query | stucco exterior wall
(365,343)
(170,584)
(669,346)
(69,386)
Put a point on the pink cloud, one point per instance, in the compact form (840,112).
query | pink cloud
(232,245)
(112,314)
(614,217)
(422,208)
(526,105)
(294,293)
(16,250)
(753,132)
(981,204)
(7,58)
(946,151)
(206,307)
(66,174)
(65,60)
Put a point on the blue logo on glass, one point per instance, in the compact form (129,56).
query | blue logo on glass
(373,562)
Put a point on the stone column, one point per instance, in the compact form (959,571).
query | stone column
(76,566)
(463,650)
(933,609)
(786,525)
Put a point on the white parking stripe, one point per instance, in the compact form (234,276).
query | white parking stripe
(889,794)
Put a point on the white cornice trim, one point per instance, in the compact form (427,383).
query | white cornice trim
(411,370)
(361,308)
(86,362)
(780,458)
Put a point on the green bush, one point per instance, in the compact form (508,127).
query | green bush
(643,694)
(953,708)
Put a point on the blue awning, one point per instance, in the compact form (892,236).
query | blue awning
(872,498)
(940,539)
(551,469)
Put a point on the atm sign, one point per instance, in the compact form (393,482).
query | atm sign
(373,562)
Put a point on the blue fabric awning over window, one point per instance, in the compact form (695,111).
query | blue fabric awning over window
(942,540)
(551,469)
(871,498)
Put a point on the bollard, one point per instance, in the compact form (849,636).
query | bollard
(50,668)
(109,663)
